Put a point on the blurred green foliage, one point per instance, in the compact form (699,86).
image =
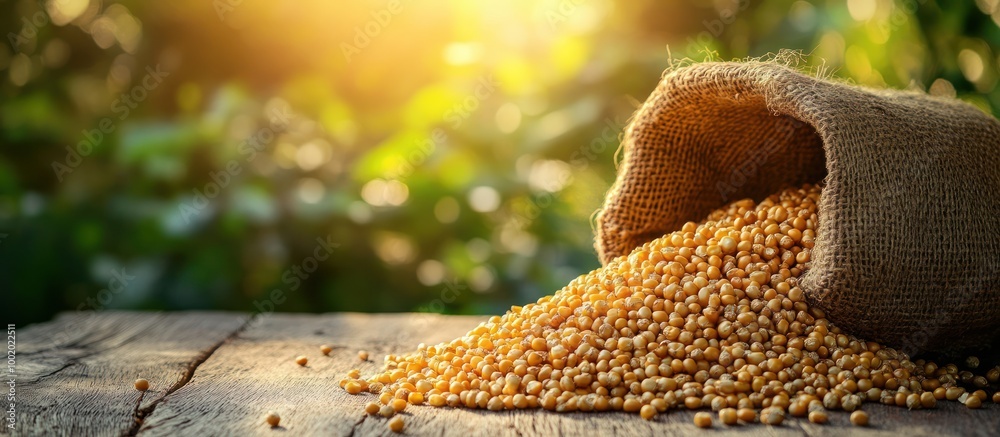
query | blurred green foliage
(446,156)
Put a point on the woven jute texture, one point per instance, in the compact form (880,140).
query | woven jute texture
(908,247)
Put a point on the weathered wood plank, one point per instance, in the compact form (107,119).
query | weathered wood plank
(76,373)
(255,373)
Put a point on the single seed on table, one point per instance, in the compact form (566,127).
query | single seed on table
(728,416)
(913,401)
(818,417)
(647,412)
(396,424)
(372,408)
(973,402)
(141,384)
(272,419)
(981,394)
(385,398)
(703,420)
(354,373)
(953,393)
(301,360)
(353,387)
(996,397)
(325,349)
(363,355)
(772,416)
(859,418)
(927,400)
(397,404)
(386,411)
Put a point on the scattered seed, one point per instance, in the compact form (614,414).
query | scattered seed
(372,408)
(703,420)
(647,412)
(396,424)
(325,349)
(301,360)
(772,416)
(363,355)
(386,411)
(353,387)
(272,419)
(728,416)
(397,404)
(141,384)
(818,417)
(859,418)
(928,400)
(973,402)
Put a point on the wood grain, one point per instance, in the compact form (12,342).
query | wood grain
(76,374)
(254,372)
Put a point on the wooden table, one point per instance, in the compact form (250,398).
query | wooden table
(218,373)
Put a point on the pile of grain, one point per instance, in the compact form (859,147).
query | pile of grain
(710,316)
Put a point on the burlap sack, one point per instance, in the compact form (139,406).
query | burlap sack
(908,247)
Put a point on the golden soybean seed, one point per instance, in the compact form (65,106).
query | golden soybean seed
(363,355)
(996,397)
(325,349)
(385,398)
(353,387)
(953,393)
(647,412)
(386,411)
(859,418)
(272,419)
(397,404)
(747,415)
(973,402)
(372,408)
(728,416)
(703,420)
(141,384)
(415,398)
(928,400)
(301,360)
(818,417)
(772,416)
(396,424)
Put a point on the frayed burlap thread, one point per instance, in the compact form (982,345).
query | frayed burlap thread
(908,247)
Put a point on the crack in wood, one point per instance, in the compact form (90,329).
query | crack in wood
(141,414)
(354,427)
